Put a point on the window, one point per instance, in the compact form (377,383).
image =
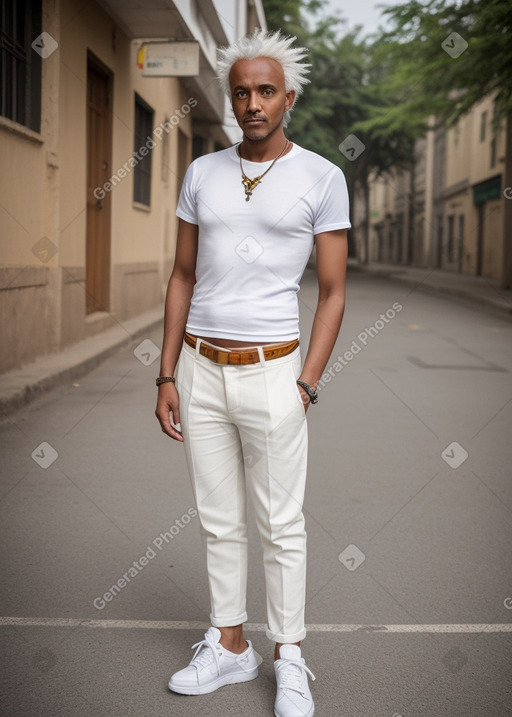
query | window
(166,154)
(461,240)
(493,151)
(143,142)
(400,237)
(450,248)
(483,126)
(199,146)
(440,223)
(20,65)
(440,237)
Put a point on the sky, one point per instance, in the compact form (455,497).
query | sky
(356,12)
(359,12)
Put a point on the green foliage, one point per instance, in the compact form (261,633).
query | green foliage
(437,83)
(287,15)
(330,104)
(386,90)
(346,94)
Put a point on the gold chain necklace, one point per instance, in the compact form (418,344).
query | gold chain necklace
(251,184)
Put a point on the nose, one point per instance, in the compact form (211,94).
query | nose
(254,103)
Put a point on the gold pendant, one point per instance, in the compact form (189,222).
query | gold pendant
(249,185)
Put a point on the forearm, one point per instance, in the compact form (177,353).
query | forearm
(326,326)
(177,305)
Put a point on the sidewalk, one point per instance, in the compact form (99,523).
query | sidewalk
(20,387)
(475,291)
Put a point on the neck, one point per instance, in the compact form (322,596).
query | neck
(262,150)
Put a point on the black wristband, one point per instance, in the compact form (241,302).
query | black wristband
(313,395)
(165,379)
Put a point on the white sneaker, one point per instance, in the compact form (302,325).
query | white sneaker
(293,698)
(213,666)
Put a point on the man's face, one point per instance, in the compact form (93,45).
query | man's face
(258,96)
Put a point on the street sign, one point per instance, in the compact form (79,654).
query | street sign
(169,59)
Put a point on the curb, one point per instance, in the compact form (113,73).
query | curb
(476,300)
(20,387)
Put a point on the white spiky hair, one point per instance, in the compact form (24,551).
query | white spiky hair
(266,44)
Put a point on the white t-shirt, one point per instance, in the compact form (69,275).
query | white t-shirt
(252,254)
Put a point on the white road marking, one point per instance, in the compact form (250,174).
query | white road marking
(249,626)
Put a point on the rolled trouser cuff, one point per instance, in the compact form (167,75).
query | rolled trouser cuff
(285,639)
(228,621)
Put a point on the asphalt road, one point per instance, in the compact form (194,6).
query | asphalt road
(409,519)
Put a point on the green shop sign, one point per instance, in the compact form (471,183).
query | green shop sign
(490,189)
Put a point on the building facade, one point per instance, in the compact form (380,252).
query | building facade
(93,154)
(448,210)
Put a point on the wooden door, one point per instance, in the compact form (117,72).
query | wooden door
(99,169)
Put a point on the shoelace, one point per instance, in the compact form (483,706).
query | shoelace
(203,657)
(292,674)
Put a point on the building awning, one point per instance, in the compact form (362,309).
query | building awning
(161,18)
(172,19)
(490,189)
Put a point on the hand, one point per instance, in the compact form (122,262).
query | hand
(167,409)
(305,398)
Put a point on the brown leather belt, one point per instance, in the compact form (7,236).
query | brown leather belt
(244,357)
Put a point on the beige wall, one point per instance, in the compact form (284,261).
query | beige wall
(44,188)
(389,208)
(137,248)
(468,155)
(480,155)
(458,157)
(470,159)
(466,161)
(492,245)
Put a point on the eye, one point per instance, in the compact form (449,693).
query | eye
(239,94)
(268,92)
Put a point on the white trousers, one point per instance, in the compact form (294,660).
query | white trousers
(244,428)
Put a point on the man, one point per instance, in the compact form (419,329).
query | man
(248,218)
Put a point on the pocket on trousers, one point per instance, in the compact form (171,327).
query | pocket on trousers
(295,374)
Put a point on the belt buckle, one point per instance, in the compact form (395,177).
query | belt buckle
(222,357)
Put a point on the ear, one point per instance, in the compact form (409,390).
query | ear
(290,99)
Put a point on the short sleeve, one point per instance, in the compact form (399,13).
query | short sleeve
(333,207)
(187,204)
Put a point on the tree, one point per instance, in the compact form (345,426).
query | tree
(334,100)
(448,83)
(288,15)
(388,138)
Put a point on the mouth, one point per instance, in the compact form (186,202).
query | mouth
(254,121)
